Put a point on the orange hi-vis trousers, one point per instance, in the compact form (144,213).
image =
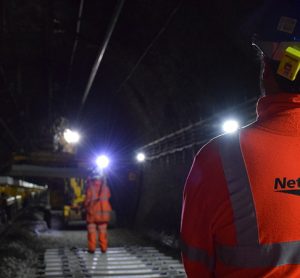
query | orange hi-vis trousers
(92,236)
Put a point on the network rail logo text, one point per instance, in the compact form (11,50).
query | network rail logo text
(290,186)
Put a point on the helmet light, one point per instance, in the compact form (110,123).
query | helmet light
(290,63)
(102,161)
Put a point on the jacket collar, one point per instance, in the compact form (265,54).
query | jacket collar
(279,113)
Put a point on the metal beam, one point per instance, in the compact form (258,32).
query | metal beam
(101,54)
(47,172)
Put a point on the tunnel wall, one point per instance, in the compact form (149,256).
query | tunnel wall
(163,175)
(162,183)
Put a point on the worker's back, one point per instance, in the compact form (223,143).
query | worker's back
(97,202)
(241,201)
(267,221)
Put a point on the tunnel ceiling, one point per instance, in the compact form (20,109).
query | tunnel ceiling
(168,63)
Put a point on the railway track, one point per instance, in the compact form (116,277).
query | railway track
(117,262)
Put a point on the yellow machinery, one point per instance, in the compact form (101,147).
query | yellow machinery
(19,189)
(15,194)
(75,195)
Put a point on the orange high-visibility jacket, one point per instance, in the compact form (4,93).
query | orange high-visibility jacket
(241,206)
(97,203)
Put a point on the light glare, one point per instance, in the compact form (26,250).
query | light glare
(140,157)
(102,161)
(71,137)
(231,126)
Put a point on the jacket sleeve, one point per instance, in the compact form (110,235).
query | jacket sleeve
(201,205)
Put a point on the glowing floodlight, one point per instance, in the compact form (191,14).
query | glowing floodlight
(71,137)
(102,161)
(140,157)
(231,126)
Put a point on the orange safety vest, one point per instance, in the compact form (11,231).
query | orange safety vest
(240,215)
(97,203)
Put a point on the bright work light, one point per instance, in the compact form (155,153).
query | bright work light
(231,126)
(72,137)
(140,157)
(102,161)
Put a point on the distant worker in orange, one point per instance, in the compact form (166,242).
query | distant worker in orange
(98,211)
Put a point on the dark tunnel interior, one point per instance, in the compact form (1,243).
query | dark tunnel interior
(169,73)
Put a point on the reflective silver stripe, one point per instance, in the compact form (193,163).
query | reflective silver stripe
(105,191)
(93,193)
(99,199)
(265,255)
(104,196)
(197,254)
(92,228)
(102,212)
(239,189)
(102,228)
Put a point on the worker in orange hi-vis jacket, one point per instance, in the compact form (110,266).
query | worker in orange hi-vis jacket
(98,210)
(241,203)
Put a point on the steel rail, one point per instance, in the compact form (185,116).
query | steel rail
(117,262)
